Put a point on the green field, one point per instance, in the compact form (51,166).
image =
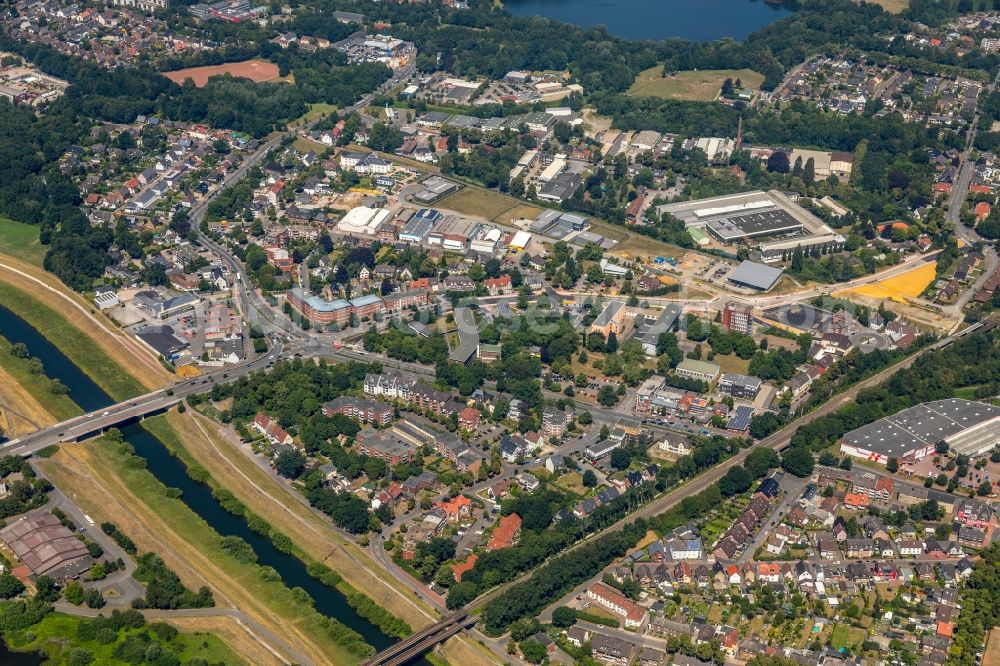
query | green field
(845,636)
(489,204)
(21,241)
(691,86)
(56,636)
(80,349)
(315,112)
(732,363)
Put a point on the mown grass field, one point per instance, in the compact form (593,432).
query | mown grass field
(80,348)
(894,6)
(21,241)
(691,86)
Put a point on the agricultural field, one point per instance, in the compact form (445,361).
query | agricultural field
(691,86)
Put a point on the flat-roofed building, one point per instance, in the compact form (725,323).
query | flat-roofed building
(969,428)
(363,221)
(739,386)
(751,217)
(737,317)
(385,445)
(751,275)
(701,370)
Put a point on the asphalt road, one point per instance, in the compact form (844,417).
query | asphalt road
(96,421)
(776,441)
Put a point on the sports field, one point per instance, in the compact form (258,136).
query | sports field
(257,71)
(901,288)
(691,86)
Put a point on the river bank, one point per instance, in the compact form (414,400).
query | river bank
(82,333)
(114,485)
(208,444)
(111,483)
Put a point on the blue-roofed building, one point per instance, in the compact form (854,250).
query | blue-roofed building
(320,311)
(769,487)
(420,225)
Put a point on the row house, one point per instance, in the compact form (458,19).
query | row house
(402,300)
(270,428)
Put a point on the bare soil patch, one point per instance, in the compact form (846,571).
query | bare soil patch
(257,71)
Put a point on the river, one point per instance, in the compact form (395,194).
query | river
(172,473)
(697,20)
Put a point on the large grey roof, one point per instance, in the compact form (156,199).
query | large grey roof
(925,425)
(758,276)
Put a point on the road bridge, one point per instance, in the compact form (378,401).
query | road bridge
(423,640)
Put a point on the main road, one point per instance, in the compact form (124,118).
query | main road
(80,427)
(959,190)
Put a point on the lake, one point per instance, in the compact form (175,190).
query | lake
(698,20)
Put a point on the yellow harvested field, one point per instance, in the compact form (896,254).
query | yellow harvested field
(20,413)
(901,288)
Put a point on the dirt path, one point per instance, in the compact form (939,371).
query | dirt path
(85,479)
(78,312)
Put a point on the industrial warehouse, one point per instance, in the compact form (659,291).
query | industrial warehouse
(46,547)
(751,217)
(969,428)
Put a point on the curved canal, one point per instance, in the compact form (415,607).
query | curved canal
(198,496)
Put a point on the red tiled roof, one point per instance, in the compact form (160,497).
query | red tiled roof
(460,568)
(507,529)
